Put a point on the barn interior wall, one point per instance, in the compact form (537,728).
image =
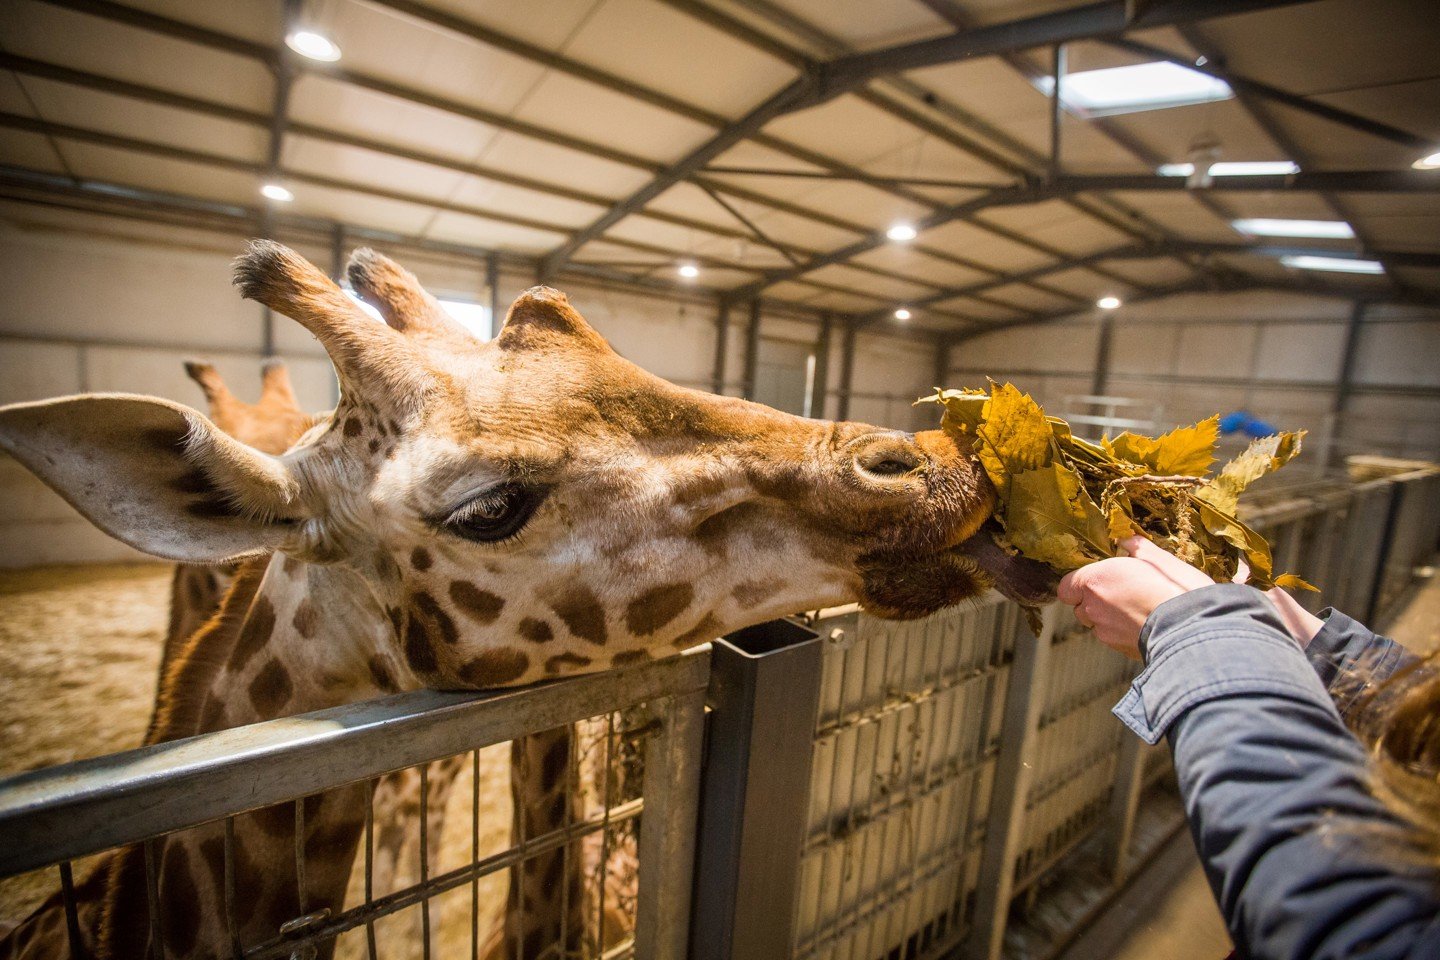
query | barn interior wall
(106,303)
(1277,356)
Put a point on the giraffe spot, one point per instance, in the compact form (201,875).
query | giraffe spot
(420,558)
(654,608)
(706,630)
(536,631)
(271,689)
(565,662)
(212,715)
(305,621)
(627,657)
(428,607)
(353,427)
(182,908)
(493,667)
(381,675)
(373,445)
(750,593)
(583,614)
(259,624)
(418,652)
(556,762)
(534,943)
(480,605)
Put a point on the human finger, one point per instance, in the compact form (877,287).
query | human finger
(1071,589)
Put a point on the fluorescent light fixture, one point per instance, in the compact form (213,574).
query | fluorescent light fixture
(1317,229)
(1108,303)
(1141,86)
(314,45)
(1335,264)
(1431,162)
(274,191)
(901,232)
(902,314)
(688,270)
(1233,168)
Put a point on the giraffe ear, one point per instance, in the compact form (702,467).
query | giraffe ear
(542,317)
(156,475)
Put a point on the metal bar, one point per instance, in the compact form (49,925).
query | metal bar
(73,940)
(300,883)
(752,350)
(667,832)
(425,858)
(1345,379)
(1119,822)
(836,175)
(474,855)
(1101,378)
(819,387)
(759,234)
(1057,107)
(370,866)
(722,347)
(764,693)
(69,811)
(152,899)
(847,370)
(1014,769)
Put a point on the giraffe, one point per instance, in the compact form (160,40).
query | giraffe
(473,515)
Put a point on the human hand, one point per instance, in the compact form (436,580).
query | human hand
(1115,597)
(1302,624)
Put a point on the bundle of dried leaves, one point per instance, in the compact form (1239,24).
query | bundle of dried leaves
(1067,502)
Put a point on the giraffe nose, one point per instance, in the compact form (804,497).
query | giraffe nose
(885,457)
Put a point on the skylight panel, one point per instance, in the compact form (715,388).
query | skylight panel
(1141,86)
(1314,229)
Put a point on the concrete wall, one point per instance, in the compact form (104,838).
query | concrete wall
(106,303)
(1275,355)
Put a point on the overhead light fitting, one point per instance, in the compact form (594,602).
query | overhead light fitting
(1334,264)
(1130,89)
(315,46)
(1313,229)
(1430,162)
(1108,303)
(902,314)
(1233,168)
(276,192)
(688,270)
(901,232)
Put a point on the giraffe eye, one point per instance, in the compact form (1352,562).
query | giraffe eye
(495,515)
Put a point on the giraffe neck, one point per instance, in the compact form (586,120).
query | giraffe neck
(289,638)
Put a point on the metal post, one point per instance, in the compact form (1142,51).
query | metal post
(752,349)
(1057,112)
(1345,379)
(492,283)
(847,369)
(1013,771)
(821,385)
(763,698)
(337,253)
(1124,804)
(942,363)
(722,347)
(667,831)
(1101,380)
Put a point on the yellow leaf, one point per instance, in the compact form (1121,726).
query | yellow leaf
(1250,544)
(1014,437)
(1187,450)
(1261,457)
(1291,582)
(1049,517)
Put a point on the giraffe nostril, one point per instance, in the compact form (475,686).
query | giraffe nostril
(887,456)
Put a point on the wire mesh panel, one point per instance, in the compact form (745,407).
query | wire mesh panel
(242,843)
(907,727)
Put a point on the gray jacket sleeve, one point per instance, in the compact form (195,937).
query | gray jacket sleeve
(1293,844)
(1350,659)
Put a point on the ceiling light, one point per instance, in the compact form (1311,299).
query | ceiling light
(314,45)
(1108,303)
(902,314)
(1317,229)
(901,232)
(1431,162)
(274,191)
(1233,168)
(1336,264)
(1141,86)
(688,270)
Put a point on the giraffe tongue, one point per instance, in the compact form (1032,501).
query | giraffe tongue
(1023,580)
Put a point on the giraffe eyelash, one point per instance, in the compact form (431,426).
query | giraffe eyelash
(496,516)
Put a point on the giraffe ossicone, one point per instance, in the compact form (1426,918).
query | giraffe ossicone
(475,515)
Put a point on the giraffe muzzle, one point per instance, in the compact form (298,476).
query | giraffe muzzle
(886,459)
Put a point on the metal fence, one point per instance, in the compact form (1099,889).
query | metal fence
(868,790)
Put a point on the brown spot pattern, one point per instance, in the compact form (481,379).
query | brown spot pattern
(381,675)
(480,605)
(420,558)
(492,667)
(536,631)
(258,626)
(306,620)
(418,652)
(750,593)
(583,614)
(353,427)
(655,608)
(560,662)
(706,630)
(182,907)
(626,657)
(428,607)
(271,689)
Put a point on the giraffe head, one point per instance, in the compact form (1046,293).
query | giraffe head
(271,424)
(533,505)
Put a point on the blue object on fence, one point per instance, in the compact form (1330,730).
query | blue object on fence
(1242,422)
